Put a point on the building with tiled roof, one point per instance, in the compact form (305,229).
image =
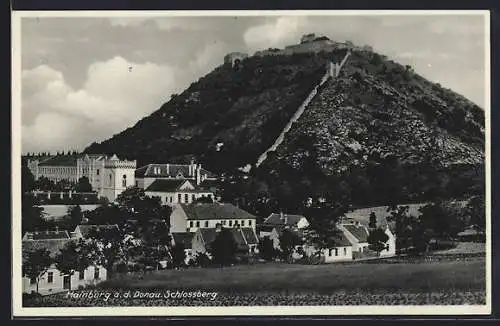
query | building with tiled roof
(191,217)
(282,221)
(108,175)
(357,234)
(147,174)
(177,191)
(245,239)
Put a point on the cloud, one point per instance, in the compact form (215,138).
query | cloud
(281,32)
(115,95)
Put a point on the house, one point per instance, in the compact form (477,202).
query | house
(176,191)
(191,217)
(245,238)
(146,175)
(52,280)
(108,175)
(340,251)
(186,240)
(357,234)
(281,221)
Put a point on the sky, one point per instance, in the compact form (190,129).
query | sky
(85,79)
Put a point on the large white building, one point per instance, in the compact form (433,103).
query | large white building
(108,175)
(146,175)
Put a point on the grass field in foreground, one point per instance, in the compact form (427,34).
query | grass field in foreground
(424,283)
(446,275)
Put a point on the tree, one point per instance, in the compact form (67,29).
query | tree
(373,221)
(83,185)
(288,241)
(106,244)
(108,214)
(323,216)
(73,257)
(476,210)
(224,248)
(178,255)
(404,225)
(27,179)
(36,263)
(266,249)
(32,215)
(75,215)
(440,220)
(377,240)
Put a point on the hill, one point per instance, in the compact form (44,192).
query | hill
(377,132)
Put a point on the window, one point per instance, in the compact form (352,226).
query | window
(124,181)
(50,277)
(179,198)
(33,280)
(197,224)
(96,273)
(345,251)
(110,179)
(249,222)
(230,223)
(97,171)
(193,197)
(171,198)
(191,224)
(81,274)
(206,224)
(186,198)
(242,222)
(137,184)
(224,222)
(329,252)
(336,251)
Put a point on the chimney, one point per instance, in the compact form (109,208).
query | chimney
(198,174)
(192,168)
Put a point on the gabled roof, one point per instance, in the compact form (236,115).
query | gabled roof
(250,236)
(358,231)
(214,211)
(168,170)
(243,237)
(53,246)
(341,240)
(183,238)
(208,235)
(279,219)
(47,235)
(86,228)
(166,185)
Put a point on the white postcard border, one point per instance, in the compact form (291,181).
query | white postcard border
(19,311)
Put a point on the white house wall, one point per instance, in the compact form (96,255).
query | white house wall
(194,225)
(172,198)
(57,284)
